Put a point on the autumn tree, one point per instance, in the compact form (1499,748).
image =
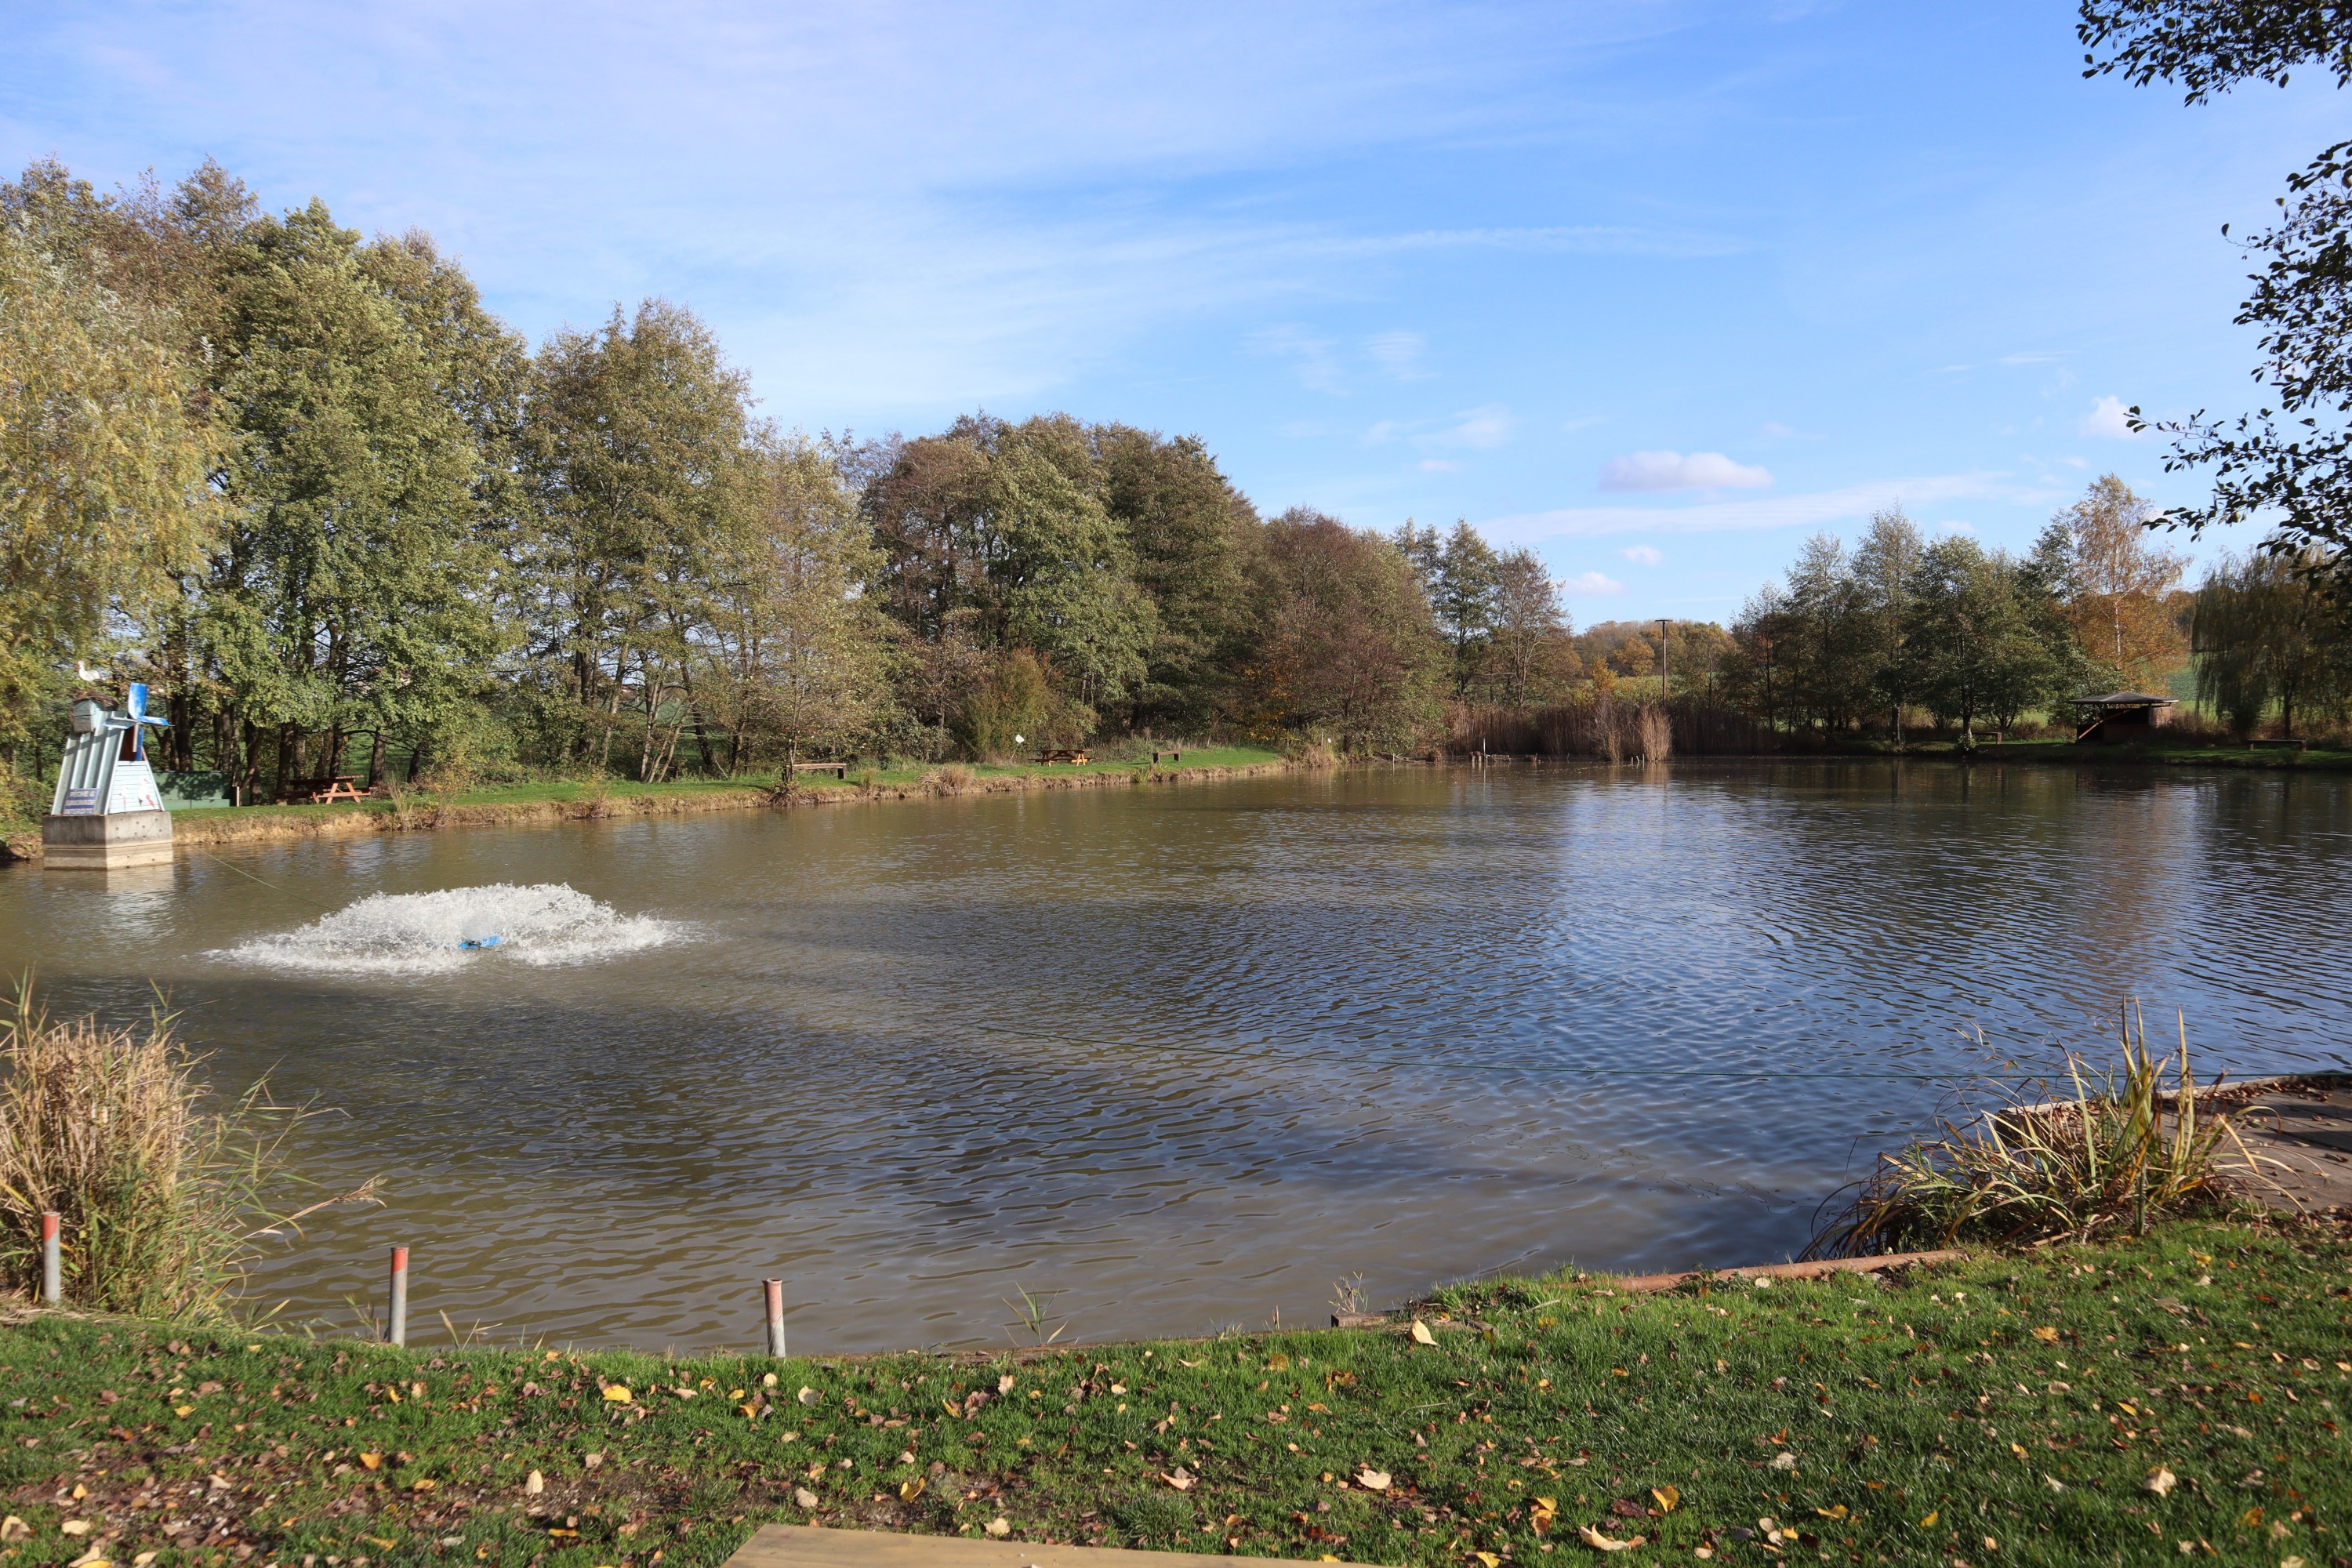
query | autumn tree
(1532,653)
(797,660)
(2120,586)
(1345,645)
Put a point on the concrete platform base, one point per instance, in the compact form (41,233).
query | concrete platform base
(801,1546)
(2299,1141)
(106,843)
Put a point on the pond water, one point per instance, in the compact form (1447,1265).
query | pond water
(1174,1058)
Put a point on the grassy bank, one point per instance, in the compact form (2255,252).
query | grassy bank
(570,800)
(2001,1409)
(2198,754)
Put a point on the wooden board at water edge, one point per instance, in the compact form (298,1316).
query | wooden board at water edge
(804,1546)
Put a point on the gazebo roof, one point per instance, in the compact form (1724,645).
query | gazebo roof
(2127,700)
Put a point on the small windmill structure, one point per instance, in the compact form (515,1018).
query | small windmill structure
(107,812)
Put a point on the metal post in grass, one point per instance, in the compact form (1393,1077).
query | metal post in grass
(395,1327)
(53,1270)
(774,1289)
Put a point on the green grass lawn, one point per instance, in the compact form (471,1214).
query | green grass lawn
(2005,1409)
(567,790)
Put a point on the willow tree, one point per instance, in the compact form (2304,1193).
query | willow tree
(2265,638)
(103,498)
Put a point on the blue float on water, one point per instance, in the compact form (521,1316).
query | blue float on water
(479,942)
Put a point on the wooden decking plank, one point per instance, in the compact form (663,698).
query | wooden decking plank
(805,1546)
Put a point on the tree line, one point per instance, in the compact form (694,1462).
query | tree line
(341,518)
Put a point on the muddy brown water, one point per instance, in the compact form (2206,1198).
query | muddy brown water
(1179,1058)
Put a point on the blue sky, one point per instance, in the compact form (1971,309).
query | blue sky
(1657,289)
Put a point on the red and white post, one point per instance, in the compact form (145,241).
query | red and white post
(53,1266)
(774,1289)
(395,1327)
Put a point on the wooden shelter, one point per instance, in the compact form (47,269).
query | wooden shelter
(2118,718)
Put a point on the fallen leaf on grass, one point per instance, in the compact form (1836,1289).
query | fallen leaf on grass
(1927,1521)
(13,1529)
(1667,1496)
(805,1496)
(2046,1335)
(807,1395)
(534,1483)
(1373,1480)
(1181,1478)
(424,1486)
(1599,1543)
(999,1527)
(2160,1480)
(371,1461)
(1783,1460)
(75,1527)
(1539,1518)
(1422,1336)
(910,1490)
(1489,1558)
(618,1393)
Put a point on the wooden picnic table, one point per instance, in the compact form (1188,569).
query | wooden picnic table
(1063,754)
(325,790)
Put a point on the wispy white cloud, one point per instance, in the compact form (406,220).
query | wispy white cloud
(1849,503)
(1312,358)
(1398,353)
(1486,428)
(1590,583)
(2109,419)
(1438,465)
(1779,432)
(1673,471)
(1644,554)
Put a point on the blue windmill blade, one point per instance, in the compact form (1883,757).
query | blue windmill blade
(137,707)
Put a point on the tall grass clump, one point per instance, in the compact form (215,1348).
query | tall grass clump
(1655,729)
(162,1200)
(2128,1148)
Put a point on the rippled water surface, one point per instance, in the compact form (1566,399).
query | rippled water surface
(1187,1056)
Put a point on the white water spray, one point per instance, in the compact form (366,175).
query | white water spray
(427,933)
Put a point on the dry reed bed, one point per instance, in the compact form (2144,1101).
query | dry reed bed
(2132,1143)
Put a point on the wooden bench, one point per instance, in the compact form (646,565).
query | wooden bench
(838,770)
(1172,756)
(1064,754)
